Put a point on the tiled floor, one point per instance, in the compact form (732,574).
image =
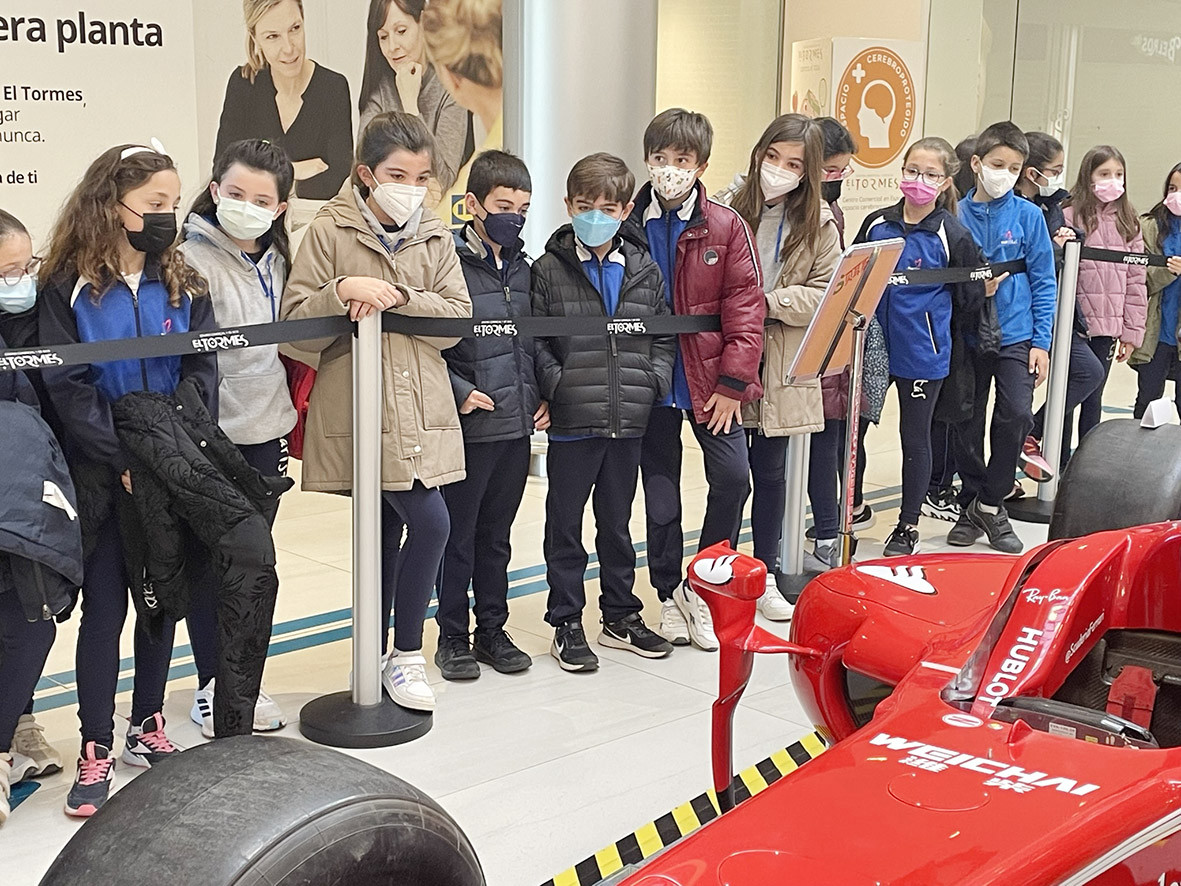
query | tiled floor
(540,769)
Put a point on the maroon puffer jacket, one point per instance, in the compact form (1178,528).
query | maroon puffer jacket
(717,272)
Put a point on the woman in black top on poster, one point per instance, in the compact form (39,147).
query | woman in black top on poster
(283,96)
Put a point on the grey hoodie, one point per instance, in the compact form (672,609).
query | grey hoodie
(254,402)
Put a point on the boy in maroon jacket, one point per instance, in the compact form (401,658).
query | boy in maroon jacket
(710,266)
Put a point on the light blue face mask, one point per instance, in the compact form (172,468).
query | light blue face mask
(16,298)
(595,227)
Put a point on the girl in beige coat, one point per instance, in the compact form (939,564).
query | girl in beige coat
(374,248)
(799,248)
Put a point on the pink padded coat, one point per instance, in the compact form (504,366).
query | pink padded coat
(1113,297)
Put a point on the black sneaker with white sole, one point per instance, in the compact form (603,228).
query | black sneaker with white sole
(903,541)
(571,649)
(633,635)
(942,504)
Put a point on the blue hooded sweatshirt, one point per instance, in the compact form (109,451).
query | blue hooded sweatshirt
(1007,229)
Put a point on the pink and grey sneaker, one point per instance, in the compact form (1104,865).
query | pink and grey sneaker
(147,744)
(92,784)
(1033,463)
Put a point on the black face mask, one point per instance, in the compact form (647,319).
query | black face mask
(831,191)
(504,228)
(158,234)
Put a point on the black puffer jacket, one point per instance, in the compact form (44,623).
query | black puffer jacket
(498,365)
(600,386)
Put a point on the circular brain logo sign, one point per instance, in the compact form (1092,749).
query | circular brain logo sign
(876,102)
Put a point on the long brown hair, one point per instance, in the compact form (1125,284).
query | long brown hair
(948,199)
(1160,213)
(1086,204)
(803,204)
(86,236)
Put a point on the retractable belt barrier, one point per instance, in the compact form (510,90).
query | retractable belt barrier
(282,332)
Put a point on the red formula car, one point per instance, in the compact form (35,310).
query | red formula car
(992,720)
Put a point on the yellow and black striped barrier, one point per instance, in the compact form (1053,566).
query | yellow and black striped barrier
(646,841)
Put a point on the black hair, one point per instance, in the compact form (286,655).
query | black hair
(1043,148)
(1159,213)
(263,156)
(377,69)
(389,132)
(10,224)
(497,169)
(965,179)
(1006,134)
(681,130)
(837,139)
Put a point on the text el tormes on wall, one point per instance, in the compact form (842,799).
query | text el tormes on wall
(80,31)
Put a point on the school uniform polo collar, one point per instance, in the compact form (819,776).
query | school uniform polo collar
(615,255)
(684,211)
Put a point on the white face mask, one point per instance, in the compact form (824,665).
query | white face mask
(399,201)
(777,181)
(242,220)
(997,182)
(670,182)
(1053,186)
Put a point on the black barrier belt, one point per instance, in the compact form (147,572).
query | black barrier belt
(1119,257)
(236,339)
(956,275)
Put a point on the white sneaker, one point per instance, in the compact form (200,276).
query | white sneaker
(697,618)
(29,741)
(20,768)
(268,716)
(773,605)
(673,626)
(202,710)
(5,789)
(404,678)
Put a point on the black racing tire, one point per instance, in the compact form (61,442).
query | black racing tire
(1122,475)
(254,811)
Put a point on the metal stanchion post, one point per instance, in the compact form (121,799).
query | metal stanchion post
(1041,509)
(791,577)
(859,323)
(364,717)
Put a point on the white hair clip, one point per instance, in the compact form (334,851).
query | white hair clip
(156,148)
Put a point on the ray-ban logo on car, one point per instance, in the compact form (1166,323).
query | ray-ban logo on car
(220,341)
(495,327)
(626,327)
(33,360)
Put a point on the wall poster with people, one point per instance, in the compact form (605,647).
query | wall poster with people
(305,74)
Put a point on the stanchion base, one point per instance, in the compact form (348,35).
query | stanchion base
(791,585)
(1030,509)
(335,721)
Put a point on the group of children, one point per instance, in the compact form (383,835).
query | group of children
(458,414)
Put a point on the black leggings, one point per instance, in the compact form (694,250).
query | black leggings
(1091,411)
(409,569)
(827,466)
(24,646)
(1152,376)
(916,408)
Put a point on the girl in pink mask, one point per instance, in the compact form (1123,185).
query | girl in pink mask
(1113,297)
(1156,360)
(926,325)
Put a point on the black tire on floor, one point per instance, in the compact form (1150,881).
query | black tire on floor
(251,811)
(1122,475)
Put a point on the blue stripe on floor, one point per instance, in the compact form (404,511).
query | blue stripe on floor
(57,690)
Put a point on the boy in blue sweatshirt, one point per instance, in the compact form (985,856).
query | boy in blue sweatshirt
(1007,227)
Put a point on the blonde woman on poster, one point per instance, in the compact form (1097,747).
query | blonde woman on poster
(397,78)
(464,40)
(283,96)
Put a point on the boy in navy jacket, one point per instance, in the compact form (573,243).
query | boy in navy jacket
(1007,227)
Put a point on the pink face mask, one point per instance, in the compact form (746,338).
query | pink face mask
(1173,202)
(918,191)
(1108,190)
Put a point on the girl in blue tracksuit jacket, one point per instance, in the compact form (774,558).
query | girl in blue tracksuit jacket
(917,318)
(112,272)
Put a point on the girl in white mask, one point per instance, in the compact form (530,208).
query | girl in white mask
(236,237)
(378,249)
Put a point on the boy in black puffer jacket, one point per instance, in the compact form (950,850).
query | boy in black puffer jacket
(601,389)
(495,385)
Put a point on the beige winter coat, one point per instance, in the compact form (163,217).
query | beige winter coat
(793,409)
(421,437)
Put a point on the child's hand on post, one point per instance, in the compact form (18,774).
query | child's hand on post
(366,295)
(723,412)
(1063,235)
